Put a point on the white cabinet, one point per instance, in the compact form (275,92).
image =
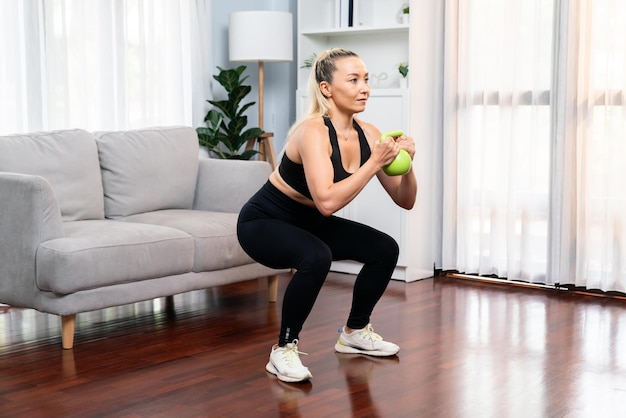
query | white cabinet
(381,39)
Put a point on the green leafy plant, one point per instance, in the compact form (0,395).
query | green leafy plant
(405,10)
(308,63)
(403,68)
(224,135)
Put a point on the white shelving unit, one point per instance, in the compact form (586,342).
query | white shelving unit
(377,35)
(381,39)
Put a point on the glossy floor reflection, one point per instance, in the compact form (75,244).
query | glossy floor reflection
(468,349)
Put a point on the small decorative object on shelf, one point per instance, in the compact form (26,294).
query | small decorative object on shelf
(403,69)
(404,18)
(377,80)
(308,63)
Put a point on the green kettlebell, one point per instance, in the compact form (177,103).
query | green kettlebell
(402,163)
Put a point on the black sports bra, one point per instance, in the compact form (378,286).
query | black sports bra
(293,173)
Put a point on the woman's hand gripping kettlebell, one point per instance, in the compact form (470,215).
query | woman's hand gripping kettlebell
(402,163)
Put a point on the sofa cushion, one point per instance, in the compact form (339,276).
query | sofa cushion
(68,160)
(214,234)
(147,170)
(106,252)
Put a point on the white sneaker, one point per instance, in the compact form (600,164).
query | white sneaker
(286,365)
(364,341)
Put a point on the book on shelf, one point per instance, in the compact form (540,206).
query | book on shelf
(344,13)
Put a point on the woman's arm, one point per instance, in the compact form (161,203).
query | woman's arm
(402,189)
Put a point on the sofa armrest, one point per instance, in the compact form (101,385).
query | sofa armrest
(226,185)
(29,215)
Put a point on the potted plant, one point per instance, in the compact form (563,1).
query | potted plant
(403,69)
(308,63)
(405,14)
(224,135)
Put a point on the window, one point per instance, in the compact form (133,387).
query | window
(538,135)
(100,65)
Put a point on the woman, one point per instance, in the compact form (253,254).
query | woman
(329,158)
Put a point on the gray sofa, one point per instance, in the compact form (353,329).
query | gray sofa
(95,220)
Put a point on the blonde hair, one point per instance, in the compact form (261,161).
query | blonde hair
(323,69)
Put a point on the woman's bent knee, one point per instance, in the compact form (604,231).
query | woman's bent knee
(316,261)
(387,248)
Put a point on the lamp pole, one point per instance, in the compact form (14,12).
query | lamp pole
(261,75)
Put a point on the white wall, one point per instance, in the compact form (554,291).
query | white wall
(280,78)
(426,103)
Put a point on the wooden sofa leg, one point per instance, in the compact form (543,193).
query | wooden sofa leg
(68,323)
(272,288)
(169,304)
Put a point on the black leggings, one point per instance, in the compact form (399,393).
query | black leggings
(279,232)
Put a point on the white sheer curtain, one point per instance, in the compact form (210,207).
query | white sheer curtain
(101,64)
(589,225)
(20,66)
(534,144)
(496,137)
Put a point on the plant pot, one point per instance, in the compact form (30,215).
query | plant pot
(405,19)
(404,83)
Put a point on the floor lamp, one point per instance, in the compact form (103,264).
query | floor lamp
(261,36)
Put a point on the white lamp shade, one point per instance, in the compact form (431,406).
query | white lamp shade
(260,36)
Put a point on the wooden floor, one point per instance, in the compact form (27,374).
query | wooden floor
(468,349)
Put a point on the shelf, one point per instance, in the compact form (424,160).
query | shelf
(357,30)
(382,42)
